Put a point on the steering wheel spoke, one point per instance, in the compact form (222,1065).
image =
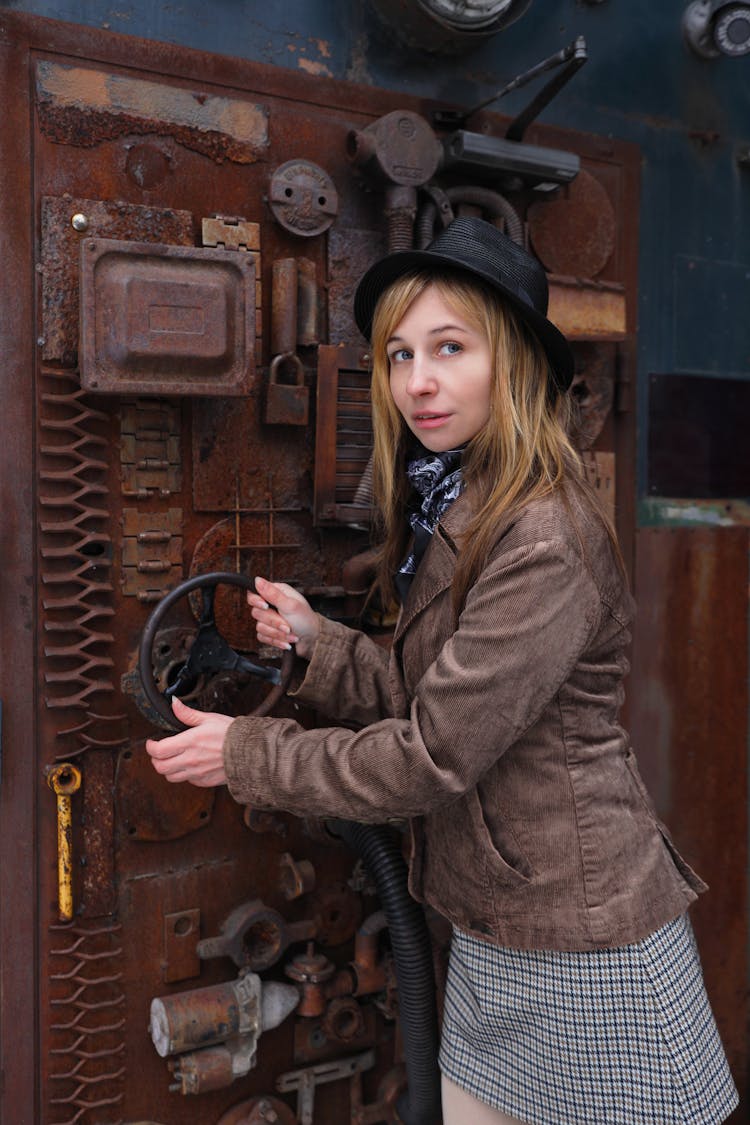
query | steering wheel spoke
(209,654)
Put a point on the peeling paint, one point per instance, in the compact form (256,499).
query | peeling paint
(654,512)
(80,105)
(317,68)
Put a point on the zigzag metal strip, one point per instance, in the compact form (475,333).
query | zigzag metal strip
(88,1047)
(87,1003)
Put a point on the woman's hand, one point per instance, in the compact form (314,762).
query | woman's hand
(195,755)
(283,617)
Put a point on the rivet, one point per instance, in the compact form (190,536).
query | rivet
(79,222)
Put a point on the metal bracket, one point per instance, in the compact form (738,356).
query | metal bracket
(304,1081)
(571,58)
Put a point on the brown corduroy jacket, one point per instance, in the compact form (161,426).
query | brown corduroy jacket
(498,740)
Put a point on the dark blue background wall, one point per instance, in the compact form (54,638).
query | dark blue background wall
(690,117)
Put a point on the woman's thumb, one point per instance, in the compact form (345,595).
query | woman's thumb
(187,715)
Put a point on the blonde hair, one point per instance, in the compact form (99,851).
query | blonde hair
(523,452)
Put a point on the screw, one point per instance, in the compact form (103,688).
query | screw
(79,222)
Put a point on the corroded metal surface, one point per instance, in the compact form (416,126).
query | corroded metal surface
(60,263)
(166,320)
(87,1026)
(303,198)
(135,492)
(84,106)
(576,232)
(688,713)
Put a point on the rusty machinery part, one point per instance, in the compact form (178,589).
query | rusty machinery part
(296,876)
(303,198)
(261,1110)
(64,779)
(343,1021)
(186,322)
(592,391)
(399,148)
(575,233)
(397,153)
(208,1016)
(493,205)
(337,910)
(447,26)
(311,971)
(214,1031)
(255,936)
(209,653)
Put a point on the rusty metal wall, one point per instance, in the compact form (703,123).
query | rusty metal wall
(114,487)
(688,703)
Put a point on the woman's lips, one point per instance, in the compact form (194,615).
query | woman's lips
(430,421)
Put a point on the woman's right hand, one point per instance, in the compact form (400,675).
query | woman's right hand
(283,617)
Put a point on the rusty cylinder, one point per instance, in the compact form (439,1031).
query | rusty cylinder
(208,1016)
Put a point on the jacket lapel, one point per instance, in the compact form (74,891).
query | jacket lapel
(435,571)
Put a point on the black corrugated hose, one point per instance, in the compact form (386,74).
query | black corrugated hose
(412,956)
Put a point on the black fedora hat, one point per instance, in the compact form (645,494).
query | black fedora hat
(476,247)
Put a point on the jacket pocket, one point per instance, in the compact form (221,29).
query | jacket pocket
(515,874)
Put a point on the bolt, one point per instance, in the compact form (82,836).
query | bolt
(79,222)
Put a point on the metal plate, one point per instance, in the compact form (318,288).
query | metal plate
(166,319)
(575,233)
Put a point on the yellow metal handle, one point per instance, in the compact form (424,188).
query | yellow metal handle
(64,779)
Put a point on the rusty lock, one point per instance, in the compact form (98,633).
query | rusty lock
(287,397)
(64,780)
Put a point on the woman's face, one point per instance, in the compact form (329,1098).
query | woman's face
(440,373)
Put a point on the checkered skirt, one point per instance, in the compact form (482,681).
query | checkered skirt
(622,1035)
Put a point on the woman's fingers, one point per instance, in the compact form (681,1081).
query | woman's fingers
(283,616)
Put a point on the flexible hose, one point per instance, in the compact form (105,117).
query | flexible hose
(492,203)
(412,955)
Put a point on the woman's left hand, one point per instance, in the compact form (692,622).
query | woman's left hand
(195,755)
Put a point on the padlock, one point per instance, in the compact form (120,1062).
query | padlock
(287,397)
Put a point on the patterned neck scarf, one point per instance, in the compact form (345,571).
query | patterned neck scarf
(436,478)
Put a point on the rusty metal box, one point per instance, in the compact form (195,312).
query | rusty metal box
(163,320)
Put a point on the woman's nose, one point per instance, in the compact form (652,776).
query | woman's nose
(421,377)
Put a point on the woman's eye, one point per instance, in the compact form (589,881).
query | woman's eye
(399,355)
(450,347)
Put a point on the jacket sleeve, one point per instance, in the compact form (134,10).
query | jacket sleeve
(347,676)
(526,623)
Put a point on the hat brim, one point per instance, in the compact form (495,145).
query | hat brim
(381,275)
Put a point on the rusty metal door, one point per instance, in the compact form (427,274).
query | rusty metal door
(184,392)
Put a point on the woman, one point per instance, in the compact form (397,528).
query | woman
(574,991)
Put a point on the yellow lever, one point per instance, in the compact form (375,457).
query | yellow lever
(64,779)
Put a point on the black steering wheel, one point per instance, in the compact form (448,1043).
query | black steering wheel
(209,653)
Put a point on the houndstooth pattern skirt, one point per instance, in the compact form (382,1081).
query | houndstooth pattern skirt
(622,1035)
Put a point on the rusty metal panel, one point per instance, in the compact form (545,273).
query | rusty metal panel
(65,222)
(82,105)
(134,491)
(159,319)
(688,715)
(344,437)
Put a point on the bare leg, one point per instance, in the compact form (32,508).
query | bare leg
(460,1108)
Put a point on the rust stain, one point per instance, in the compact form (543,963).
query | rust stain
(587,310)
(83,106)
